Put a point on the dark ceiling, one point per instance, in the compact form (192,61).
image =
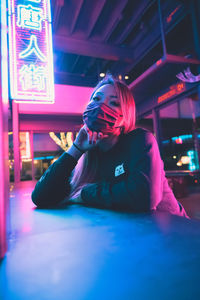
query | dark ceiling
(120,36)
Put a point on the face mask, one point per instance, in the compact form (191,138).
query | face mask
(100,117)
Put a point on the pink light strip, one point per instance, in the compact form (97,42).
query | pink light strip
(4,172)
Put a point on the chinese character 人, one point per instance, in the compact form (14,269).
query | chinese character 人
(33,48)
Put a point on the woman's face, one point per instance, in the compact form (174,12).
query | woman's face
(107,94)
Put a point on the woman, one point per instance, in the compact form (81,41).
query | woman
(111,163)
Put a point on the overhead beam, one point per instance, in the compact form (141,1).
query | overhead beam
(168,58)
(114,19)
(75,79)
(139,14)
(140,57)
(89,65)
(76,15)
(157,65)
(95,16)
(177,59)
(57,10)
(93,49)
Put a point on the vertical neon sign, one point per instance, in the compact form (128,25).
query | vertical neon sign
(30,51)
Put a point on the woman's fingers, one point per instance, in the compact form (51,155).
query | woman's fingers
(87,139)
(89,132)
(94,137)
(100,135)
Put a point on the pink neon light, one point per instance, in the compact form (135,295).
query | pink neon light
(169,18)
(173,90)
(179,141)
(25,147)
(3,132)
(19,41)
(69,99)
(159,62)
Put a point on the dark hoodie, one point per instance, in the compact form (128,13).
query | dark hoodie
(131,177)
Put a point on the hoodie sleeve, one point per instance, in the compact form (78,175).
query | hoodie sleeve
(141,189)
(54,185)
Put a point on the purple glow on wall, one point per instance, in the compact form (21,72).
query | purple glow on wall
(30,51)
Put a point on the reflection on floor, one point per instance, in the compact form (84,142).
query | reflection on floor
(81,253)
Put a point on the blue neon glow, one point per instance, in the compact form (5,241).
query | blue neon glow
(182,137)
(44,157)
(33,77)
(36,1)
(29,17)
(193,164)
(166,142)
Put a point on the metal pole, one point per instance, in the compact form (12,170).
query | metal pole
(32,155)
(157,128)
(15,109)
(162,29)
(195,28)
(196,33)
(4,166)
(194,131)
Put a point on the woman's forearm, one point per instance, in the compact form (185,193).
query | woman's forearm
(54,185)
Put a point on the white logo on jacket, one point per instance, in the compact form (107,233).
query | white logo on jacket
(119,170)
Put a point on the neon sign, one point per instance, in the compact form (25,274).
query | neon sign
(193,164)
(30,51)
(173,91)
(169,18)
(65,141)
(25,148)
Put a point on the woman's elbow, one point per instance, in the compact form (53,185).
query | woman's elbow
(46,200)
(36,199)
(40,200)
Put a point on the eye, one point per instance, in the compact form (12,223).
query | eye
(114,103)
(96,98)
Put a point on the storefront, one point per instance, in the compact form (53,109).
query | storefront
(174,118)
(38,150)
(44,131)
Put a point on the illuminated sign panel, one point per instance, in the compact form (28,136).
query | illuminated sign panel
(169,18)
(25,148)
(30,51)
(173,91)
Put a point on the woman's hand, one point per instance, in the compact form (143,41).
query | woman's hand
(87,139)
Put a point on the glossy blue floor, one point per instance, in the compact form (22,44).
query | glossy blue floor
(81,253)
